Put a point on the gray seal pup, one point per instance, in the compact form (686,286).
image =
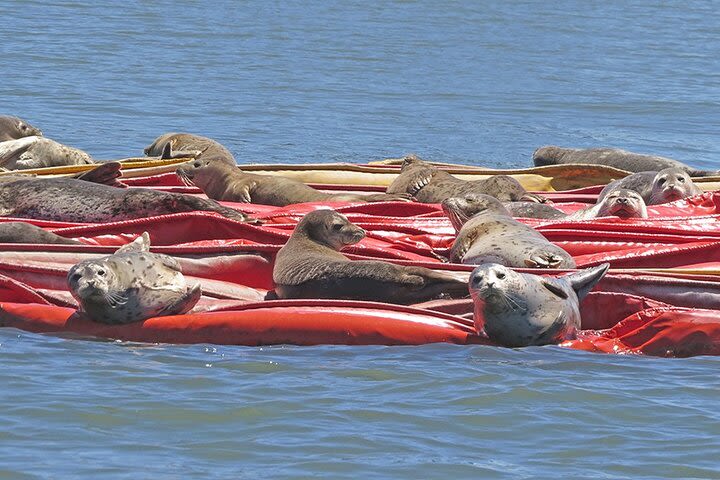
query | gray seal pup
(221,181)
(621,203)
(74,200)
(655,188)
(429,184)
(131,285)
(311,266)
(611,157)
(487,234)
(39,152)
(22,232)
(520,309)
(179,145)
(13,128)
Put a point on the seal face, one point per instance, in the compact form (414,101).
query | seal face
(13,128)
(221,181)
(667,185)
(487,234)
(311,266)
(179,145)
(521,309)
(611,157)
(38,152)
(621,203)
(429,184)
(131,285)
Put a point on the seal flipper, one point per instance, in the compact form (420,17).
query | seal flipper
(104,174)
(140,244)
(166,151)
(583,281)
(183,304)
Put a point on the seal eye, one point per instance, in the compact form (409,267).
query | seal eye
(500,275)
(101,272)
(337,227)
(76,277)
(681,179)
(197,164)
(661,181)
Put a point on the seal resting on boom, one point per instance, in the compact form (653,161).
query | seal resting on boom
(311,266)
(521,309)
(655,188)
(179,145)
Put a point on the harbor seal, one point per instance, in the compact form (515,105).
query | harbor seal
(655,188)
(179,145)
(38,152)
(221,181)
(73,200)
(487,234)
(311,266)
(621,203)
(520,309)
(611,157)
(429,184)
(22,232)
(13,128)
(131,285)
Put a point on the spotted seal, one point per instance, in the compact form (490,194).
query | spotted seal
(38,152)
(311,266)
(221,181)
(22,232)
(131,285)
(611,157)
(521,309)
(74,200)
(621,203)
(178,145)
(655,188)
(13,128)
(487,233)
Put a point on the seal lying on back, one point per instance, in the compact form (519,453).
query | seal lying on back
(12,128)
(178,145)
(612,157)
(311,266)
(21,232)
(621,203)
(655,188)
(521,309)
(429,184)
(73,200)
(131,285)
(38,152)
(487,233)
(221,181)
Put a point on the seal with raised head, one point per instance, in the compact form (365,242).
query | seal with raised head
(131,285)
(621,203)
(487,234)
(655,188)
(179,145)
(74,200)
(224,182)
(520,309)
(38,152)
(311,266)
(13,128)
(22,232)
(429,184)
(611,157)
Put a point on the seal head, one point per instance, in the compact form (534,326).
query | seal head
(13,128)
(519,309)
(623,203)
(672,184)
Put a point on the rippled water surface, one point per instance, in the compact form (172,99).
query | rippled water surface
(472,82)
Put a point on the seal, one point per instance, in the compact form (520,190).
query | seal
(655,188)
(487,234)
(311,266)
(131,285)
(429,184)
(22,232)
(38,152)
(221,181)
(534,210)
(611,157)
(12,128)
(621,203)
(179,145)
(74,200)
(520,309)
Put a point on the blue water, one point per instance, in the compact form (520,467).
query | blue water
(471,82)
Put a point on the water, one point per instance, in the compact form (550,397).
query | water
(470,82)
